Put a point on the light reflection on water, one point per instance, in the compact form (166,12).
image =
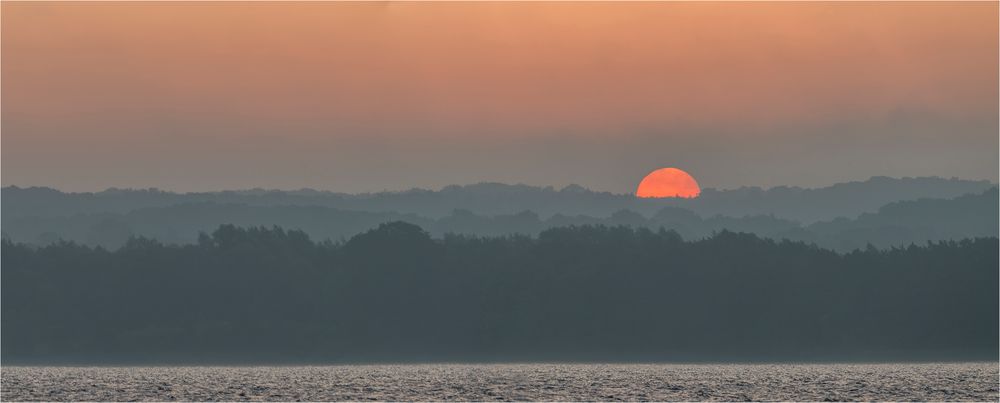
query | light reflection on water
(493,382)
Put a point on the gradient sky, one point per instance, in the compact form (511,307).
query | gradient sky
(372,96)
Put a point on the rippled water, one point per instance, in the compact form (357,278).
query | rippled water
(921,382)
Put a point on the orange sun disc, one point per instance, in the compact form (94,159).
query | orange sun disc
(668,182)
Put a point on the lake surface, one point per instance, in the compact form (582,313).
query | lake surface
(586,382)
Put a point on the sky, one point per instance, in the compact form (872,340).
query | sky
(360,97)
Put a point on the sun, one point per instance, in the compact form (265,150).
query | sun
(668,182)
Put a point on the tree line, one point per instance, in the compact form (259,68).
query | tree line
(576,293)
(806,205)
(895,224)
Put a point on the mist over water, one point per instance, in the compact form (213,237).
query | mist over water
(510,382)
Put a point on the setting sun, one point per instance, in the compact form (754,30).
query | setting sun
(668,182)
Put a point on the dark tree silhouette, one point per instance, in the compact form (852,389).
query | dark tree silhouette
(572,293)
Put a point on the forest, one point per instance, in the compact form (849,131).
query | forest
(573,293)
(893,224)
(805,205)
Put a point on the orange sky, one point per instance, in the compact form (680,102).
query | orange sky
(232,87)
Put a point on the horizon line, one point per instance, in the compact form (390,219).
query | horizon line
(484,182)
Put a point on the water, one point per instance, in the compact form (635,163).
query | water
(920,382)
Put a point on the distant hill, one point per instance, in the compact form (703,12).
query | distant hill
(848,199)
(895,224)
(915,221)
(804,205)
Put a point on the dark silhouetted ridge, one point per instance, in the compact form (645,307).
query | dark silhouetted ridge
(575,293)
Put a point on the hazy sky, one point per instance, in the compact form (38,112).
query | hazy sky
(372,96)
